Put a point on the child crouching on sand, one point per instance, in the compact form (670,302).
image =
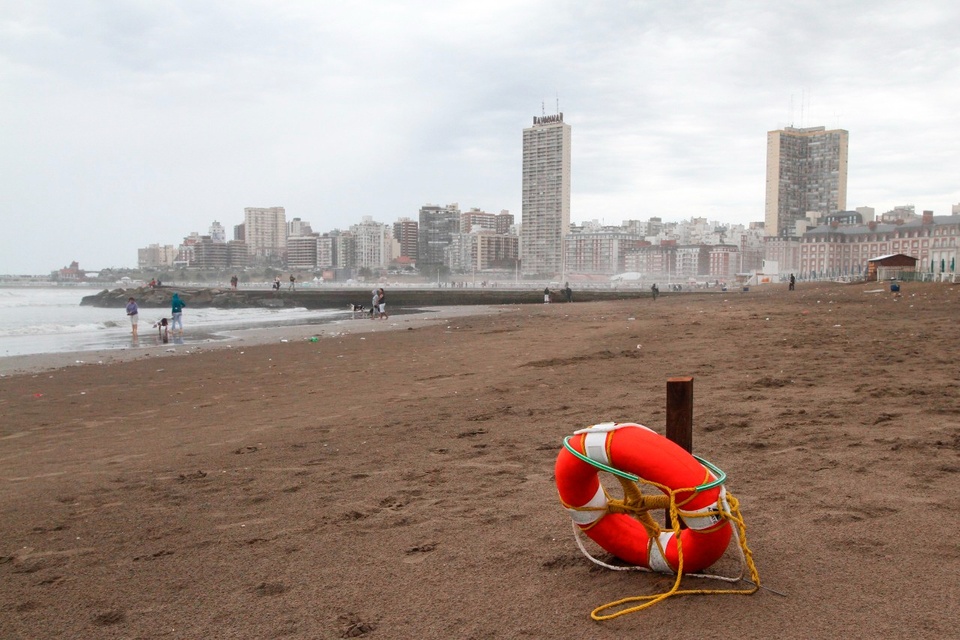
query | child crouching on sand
(161,328)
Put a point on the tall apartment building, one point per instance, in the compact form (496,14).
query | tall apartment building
(302,251)
(156,255)
(545,215)
(406,232)
(217,232)
(475,219)
(482,250)
(327,251)
(345,247)
(265,232)
(436,229)
(374,243)
(237,254)
(806,172)
(208,253)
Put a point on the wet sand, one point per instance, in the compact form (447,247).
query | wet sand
(398,484)
(149,344)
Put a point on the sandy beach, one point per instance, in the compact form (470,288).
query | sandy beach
(397,481)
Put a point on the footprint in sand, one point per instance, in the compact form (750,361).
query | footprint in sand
(108,618)
(419,553)
(353,627)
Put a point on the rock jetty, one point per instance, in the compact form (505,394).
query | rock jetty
(335,298)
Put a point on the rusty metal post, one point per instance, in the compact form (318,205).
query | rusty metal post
(680,411)
(680,417)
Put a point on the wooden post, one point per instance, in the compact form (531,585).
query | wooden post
(680,417)
(680,411)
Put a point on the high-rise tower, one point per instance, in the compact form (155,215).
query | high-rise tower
(436,228)
(806,171)
(545,215)
(265,229)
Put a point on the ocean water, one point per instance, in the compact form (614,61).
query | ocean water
(51,320)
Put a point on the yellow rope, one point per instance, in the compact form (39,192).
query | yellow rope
(638,505)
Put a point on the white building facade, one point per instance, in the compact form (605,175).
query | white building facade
(265,232)
(545,215)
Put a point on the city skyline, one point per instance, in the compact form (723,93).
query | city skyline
(124,126)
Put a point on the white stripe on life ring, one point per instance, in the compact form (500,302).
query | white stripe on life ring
(655,559)
(609,426)
(599,509)
(595,446)
(705,517)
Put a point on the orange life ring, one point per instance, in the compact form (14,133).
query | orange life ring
(638,450)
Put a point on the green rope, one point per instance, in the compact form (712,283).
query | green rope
(720,475)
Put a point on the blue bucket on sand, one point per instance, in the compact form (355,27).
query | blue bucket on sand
(746,288)
(894,287)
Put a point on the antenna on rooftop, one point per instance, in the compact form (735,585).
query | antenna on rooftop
(803,96)
(558,102)
(543,108)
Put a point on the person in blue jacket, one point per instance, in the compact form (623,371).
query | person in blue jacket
(176,309)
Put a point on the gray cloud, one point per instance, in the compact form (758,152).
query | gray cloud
(130,123)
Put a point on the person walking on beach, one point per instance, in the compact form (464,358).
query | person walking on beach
(176,310)
(233,282)
(793,282)
(134,314)
(293,283)
(654,290)
(382,304)
(374,304)
(546,295)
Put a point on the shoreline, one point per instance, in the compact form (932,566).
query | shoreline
(26,364)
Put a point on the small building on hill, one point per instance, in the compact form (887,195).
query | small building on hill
(890,266)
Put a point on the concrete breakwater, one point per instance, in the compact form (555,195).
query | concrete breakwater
(338,298)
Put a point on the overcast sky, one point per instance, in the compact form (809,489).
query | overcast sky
(128,123)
